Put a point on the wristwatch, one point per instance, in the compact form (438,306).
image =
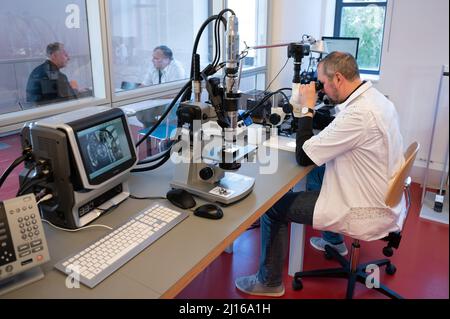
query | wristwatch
(306,110)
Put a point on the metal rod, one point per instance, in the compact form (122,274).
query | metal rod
(436,112)
(269,46)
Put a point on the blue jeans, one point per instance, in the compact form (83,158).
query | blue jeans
(293,207)
(314,182)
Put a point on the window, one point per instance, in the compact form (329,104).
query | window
(27,77)
(152,40)
(364,19)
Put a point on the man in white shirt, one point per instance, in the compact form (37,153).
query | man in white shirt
(362,149)
(165,68)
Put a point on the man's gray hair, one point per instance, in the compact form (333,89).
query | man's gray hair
(341,62)
(53,47)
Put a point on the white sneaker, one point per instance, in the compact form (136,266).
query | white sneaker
(319,244)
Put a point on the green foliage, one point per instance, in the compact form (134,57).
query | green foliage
(366,23)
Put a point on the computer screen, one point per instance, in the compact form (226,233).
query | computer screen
(343,44)
(105,145)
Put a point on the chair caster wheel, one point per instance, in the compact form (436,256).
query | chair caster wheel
(388,251)
(297,284)
(328,256)
(391,269)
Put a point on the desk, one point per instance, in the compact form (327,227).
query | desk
(167,266)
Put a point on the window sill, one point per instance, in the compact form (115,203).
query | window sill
(374,78)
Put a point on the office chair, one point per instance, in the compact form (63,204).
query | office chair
(350,268)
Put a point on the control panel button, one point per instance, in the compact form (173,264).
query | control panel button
(23,247)
(35,243)
(37,249)
(25,253)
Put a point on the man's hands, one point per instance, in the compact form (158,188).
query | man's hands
(303,95)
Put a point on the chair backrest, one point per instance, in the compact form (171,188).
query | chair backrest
(395,192)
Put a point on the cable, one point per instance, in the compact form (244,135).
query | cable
(26,177)
(16,163)
(31,184)
(166,113)
(156,166)
(45,198)
(148,198)
(50,196)
(76,230)
(284,66)
(264,100)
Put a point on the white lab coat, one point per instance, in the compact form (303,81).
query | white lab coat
(363,151)
(173,72)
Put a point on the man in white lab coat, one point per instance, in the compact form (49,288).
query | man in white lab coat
(362,149)
(165,68)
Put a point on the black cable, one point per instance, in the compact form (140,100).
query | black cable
(188,92)
(264,100)
(285,64)
(148,198)
(157,157)
(31,184)
(151,168)
(166,113)
(24,181)
(217,37)
(9,170)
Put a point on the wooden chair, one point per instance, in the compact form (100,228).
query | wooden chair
(350,268)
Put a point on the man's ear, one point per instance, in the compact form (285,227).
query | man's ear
(339,78)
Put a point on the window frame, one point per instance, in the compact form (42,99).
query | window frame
(340,5)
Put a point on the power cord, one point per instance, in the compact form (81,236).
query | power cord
(49,197)
(148,198)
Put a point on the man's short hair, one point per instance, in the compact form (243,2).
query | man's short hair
(53,47)
(166,51)
(341,62)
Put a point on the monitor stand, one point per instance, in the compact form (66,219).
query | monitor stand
(21,280)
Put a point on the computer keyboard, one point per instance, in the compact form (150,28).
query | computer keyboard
(106,255)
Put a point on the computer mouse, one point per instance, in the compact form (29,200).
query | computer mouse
(181,198)
(209,211)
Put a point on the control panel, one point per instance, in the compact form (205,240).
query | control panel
(22,239)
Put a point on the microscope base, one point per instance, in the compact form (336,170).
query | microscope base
(232,188)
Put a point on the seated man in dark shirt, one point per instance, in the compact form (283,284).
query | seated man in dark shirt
(46,82)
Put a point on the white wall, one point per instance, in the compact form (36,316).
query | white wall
(416,47)
(289,20)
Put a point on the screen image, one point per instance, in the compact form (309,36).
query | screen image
(104,147)
(349,45)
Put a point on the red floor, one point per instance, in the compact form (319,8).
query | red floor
(422,261)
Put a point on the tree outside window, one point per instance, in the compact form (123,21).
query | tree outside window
(364,19)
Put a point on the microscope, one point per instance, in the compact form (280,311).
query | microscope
(212,141)
(297,51)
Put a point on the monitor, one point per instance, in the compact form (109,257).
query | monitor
(90,153)
(99,143)
(343,44)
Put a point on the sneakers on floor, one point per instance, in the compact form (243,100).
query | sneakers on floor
(319,244)
(250,285)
